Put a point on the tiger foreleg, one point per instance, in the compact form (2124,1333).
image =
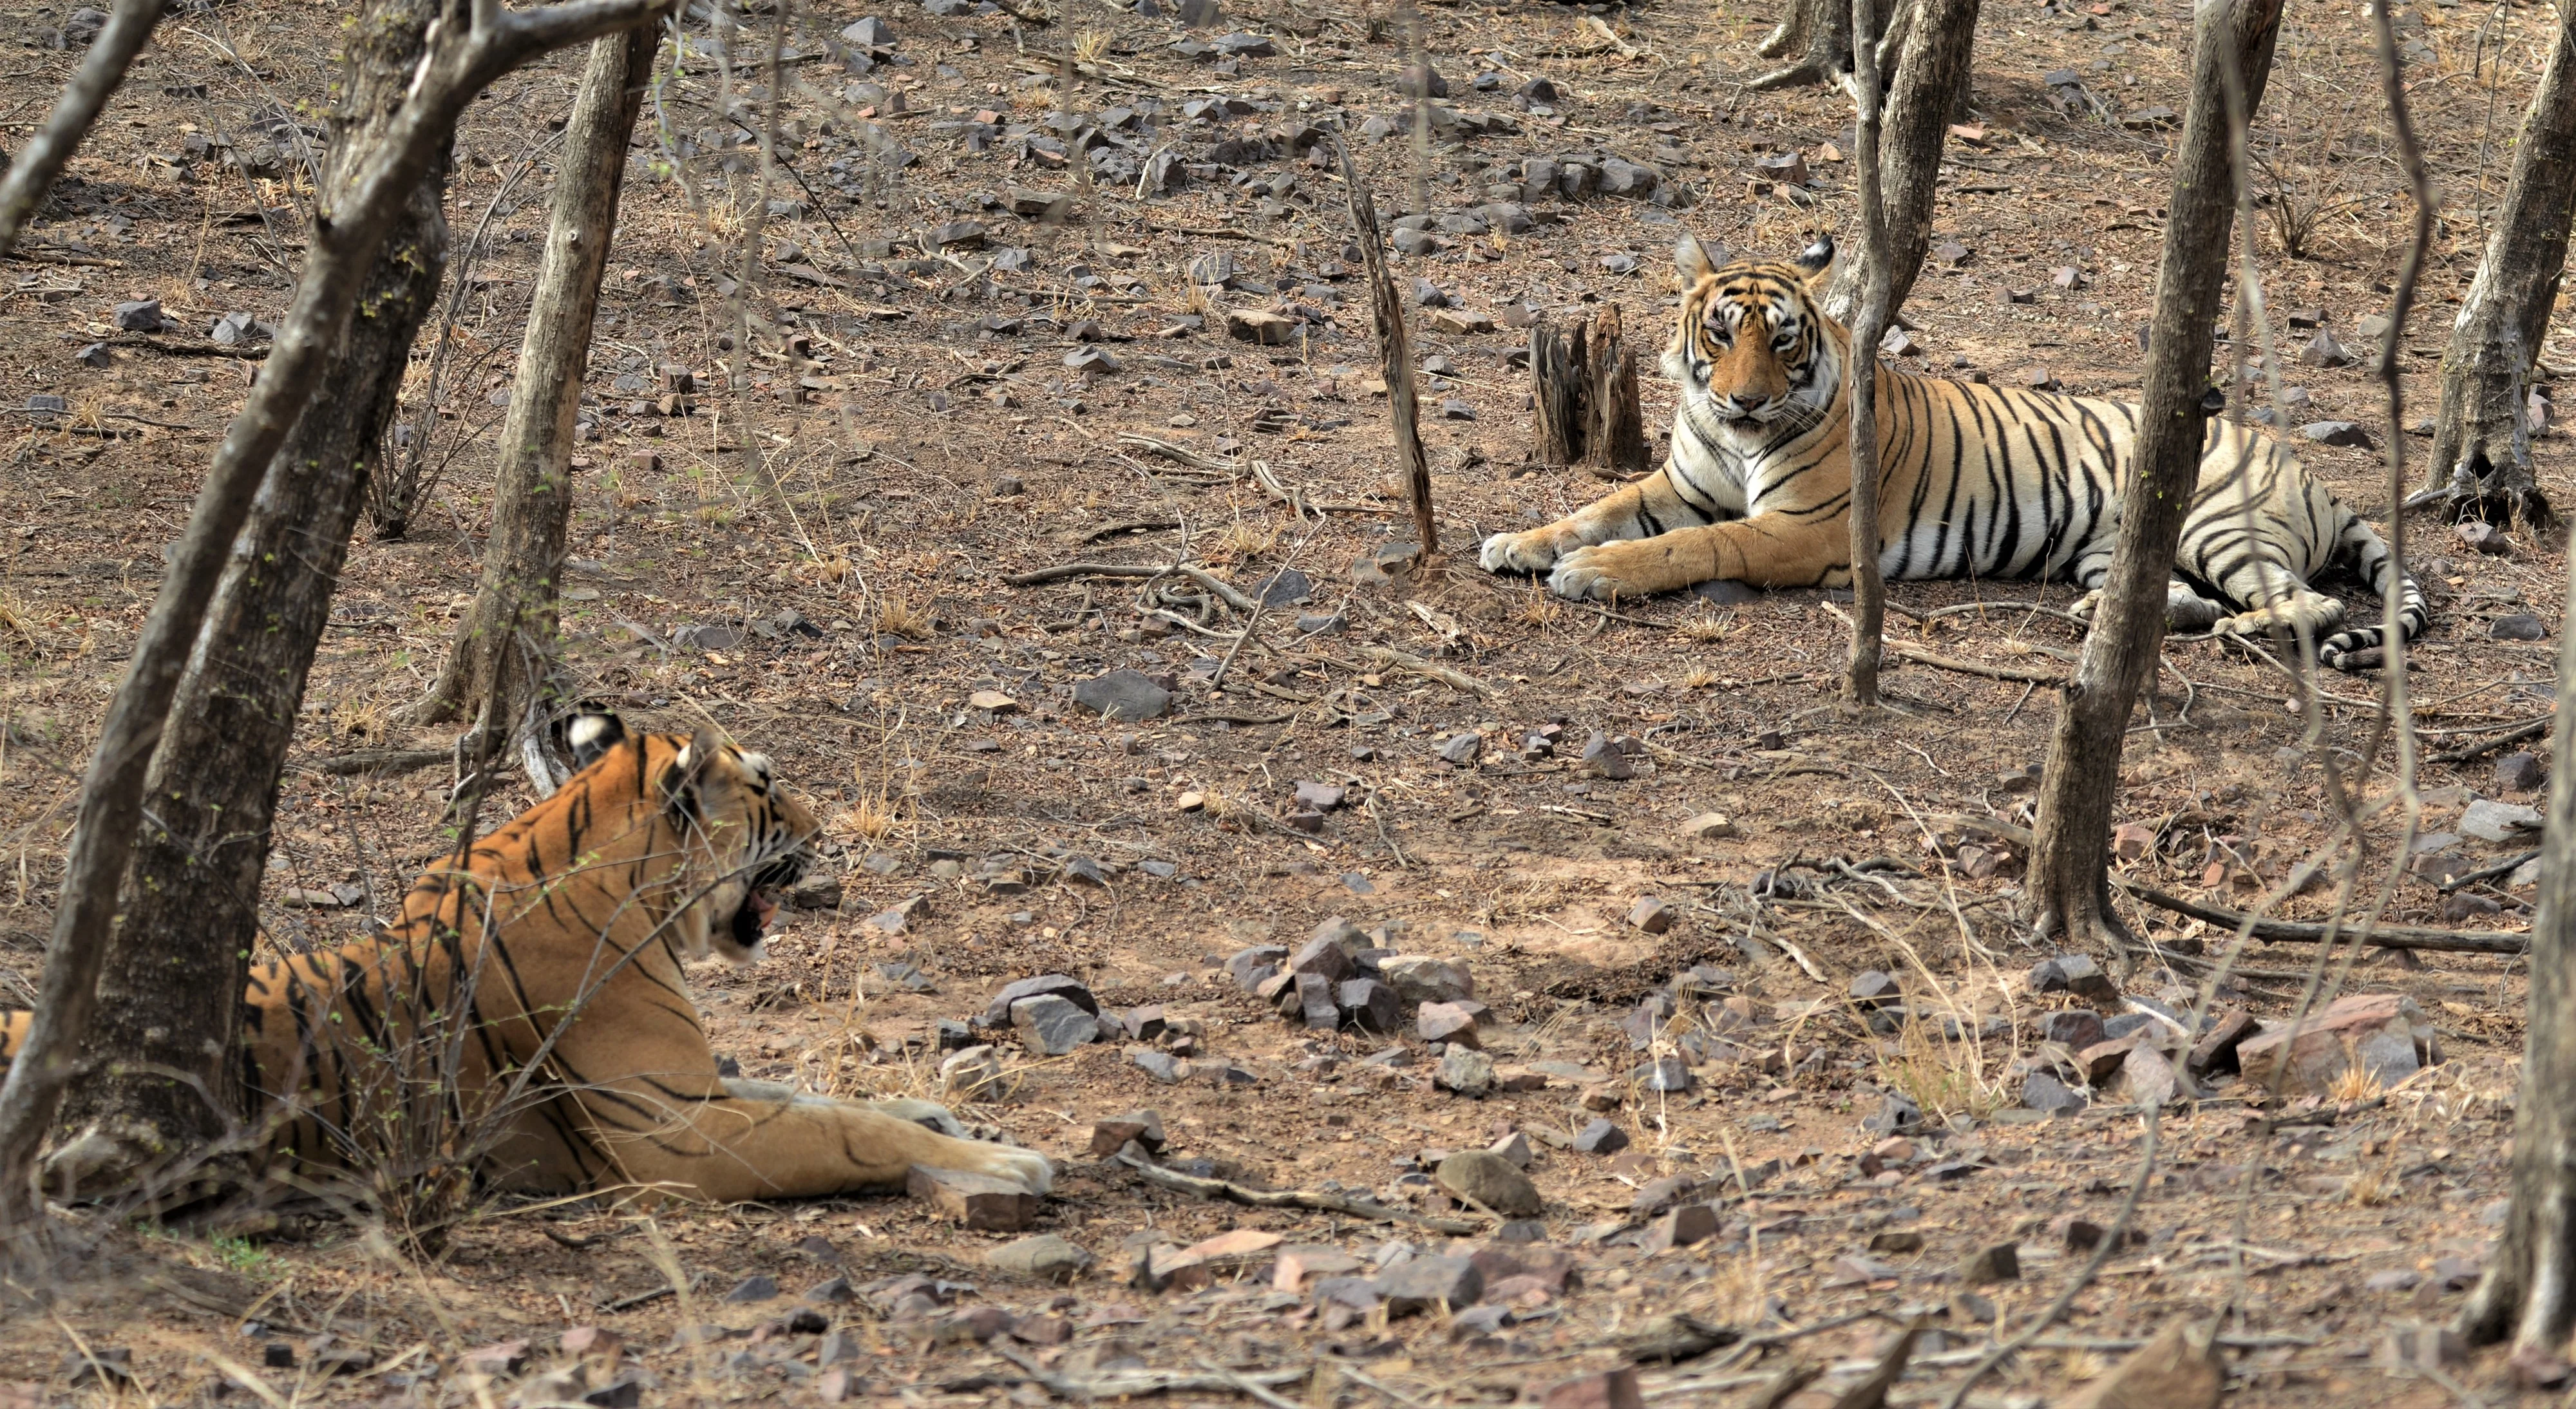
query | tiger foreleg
(1764,551)
(2185,609)
(734,1148)
(1626,513)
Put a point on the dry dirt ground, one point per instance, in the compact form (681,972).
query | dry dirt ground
(933,432)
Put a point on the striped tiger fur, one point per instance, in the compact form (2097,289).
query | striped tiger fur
(1979,481)
(572,923)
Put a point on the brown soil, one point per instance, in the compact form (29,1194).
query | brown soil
(922,458)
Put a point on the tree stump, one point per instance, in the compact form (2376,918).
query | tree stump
(1584,390)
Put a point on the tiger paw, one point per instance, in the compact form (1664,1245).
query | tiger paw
(928,1114)
(1603,573)
(1534,551)
(1026,1168)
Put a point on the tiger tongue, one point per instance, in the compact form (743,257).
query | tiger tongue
(762,907)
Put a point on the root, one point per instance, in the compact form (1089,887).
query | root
(1807,73)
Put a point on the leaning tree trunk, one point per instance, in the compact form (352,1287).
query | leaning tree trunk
(2481,464)
(474,45)
(1869,586)
(499,670)
(1819,33)
(2070,856)
(1930,84)
(158,1090)
(34,166)
(2526,1292)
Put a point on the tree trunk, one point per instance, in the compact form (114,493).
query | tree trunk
(1559,370)
(34,167)
(1819,32)
(1614,424)
(157,1084)
(1930,84)
(499,671)
(477,44)
(1869,587)
(2070,855)
(2481,466)
(1394,355)
(2525,1292)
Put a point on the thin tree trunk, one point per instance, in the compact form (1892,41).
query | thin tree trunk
(483,41)
(2525,1292)
(1559,368)
(1395,357)
(1819,33)
(158,1087)
(2070,855)
(34,168)
(1930,83)
(2481,465)
(1869,587)
(498,670)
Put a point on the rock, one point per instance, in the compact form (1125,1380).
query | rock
(1109,1136)
(1514,1148)
(1431,1283)
(1448,1022)
(1710,826)
(2179,1369)
(2520,773)
(1325,958)
(2383,1034)
(1896,1115)
(2147,1078)
(1260,326)
(2075,974)
(143,315)
(1310,998)
(94,354)
(971,1074)
(2521,626)
(1045,1258)
(1607,1389)
(2348,434)
(871,33)
(1486,1178)
(1664,1076)
(2216,1049)
(1123,694)
(1465,1071)
(1321,797)
(2072,1028)
(1875,989)
(2488,820)
(1285,588)
(1607,757)
(1161,1066)
(1998,1262)
(2132,840)
(1370,1005)
(2045,1093)
(1419,978)
(1051,1026)
(2323,351)
(1679,1228)
(2100,1061)
(1651,915)
(1462,749)
(1289,1271)
(1248,967)
(2482,536)
(2410,1345)
(1601,1138)
(1065,986)
(978,1202)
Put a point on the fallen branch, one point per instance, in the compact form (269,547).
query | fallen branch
(1208,232)
(1133,1382)
(2515,735)
(1429,670)
(1061,571)
(1871,1393)
(383,761)
(1231,1192)
(2016,674)
(2300,932)
(2505,867)
(188,347)
(1112,530)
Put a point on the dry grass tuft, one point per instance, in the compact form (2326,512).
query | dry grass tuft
(898,617)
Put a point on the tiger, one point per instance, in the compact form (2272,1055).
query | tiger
(1978,480)
(561,937)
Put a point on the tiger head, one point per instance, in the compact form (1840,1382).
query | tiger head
(742,838)
(1753,349)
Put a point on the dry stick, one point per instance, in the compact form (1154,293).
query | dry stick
(1869,586)
(1293,1198)
(1039,576)
(2437,941)
(34,166)
(2514,735)
(1429,670)
(1394,352)
(1872,1392)
(1128,1383)
(461,62)
(1935,659)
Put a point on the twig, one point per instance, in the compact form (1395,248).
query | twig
(1207,232)
(382,761)
(2515,735)
(1232,1192)
(2505,867)
(1399,1396)
(1935,659)
(1134,1382)
(2379,936)
(1871,1393)
(1061,571)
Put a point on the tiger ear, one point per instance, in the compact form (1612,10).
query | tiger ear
(1817,260)
(590,734)
(1693,260)
(679,780)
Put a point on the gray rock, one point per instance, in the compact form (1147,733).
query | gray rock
(2521,626)
(1162,1066)
(1601,1138)
(2073,1028)
(1431,1283)
(2488,820)
(970,1074)
(1051,1026)
(1669,1075)
(1045,1258)
(2520,773)
(1491,1179)
(1325,956)
(143,315)
(1286,588)
(2344,433)
(1370,1005)
(2323,351)
(1123,694)
(757,1287)
(1250,966)
(1875,989)
(1313,996)
(871,33)
(1419,978)
(2043,1092)
(1465,1071)
(1462,749)
(1063,986)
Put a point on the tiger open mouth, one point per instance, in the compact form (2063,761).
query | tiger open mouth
(753,918)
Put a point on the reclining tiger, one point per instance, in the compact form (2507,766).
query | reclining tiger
(561,938)
(1977,481)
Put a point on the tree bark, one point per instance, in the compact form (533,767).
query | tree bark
(480,42)
(2525,1292)
(35,166)
(1559,369)
(1929,86)
(1614,423)
(1819,32)
(1394,355)
(2070,853)
(1869,586)
(159,1090)
(2481,465)
(499,670)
